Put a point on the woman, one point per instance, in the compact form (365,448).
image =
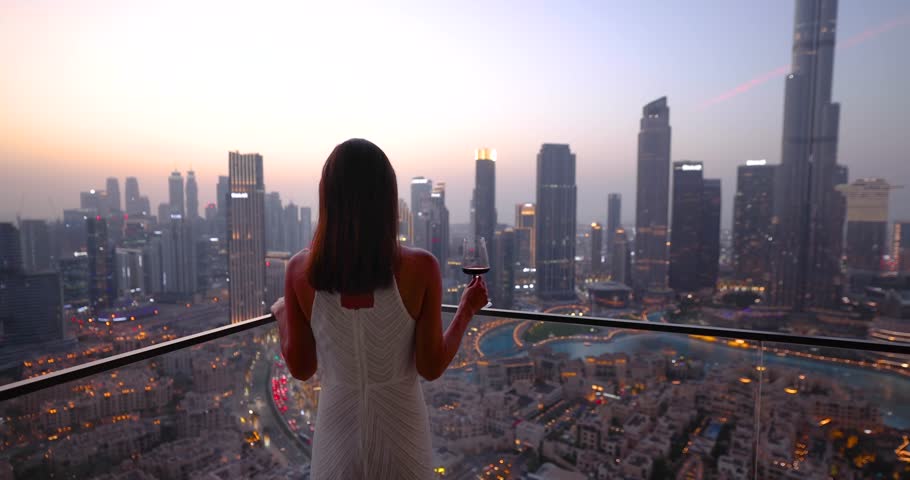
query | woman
(367,312)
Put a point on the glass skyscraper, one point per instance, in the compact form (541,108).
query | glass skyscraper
(809,213)
(652,202)
(556,222)
(246,236)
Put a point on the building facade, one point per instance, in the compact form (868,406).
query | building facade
(246,236)
(484,200)
(652,199)
(753,208)
(808,212)
(176,200)
(867,223)
(555,222)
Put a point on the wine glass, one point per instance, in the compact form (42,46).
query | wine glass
(475,261)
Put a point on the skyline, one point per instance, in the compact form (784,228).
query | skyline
(135,107)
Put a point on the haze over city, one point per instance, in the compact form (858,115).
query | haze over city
(99,89)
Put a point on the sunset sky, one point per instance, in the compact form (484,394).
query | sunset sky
(91,89)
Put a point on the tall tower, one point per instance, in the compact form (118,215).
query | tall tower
(175,194)
(867,223)
(102,288)
(484,201)
(36,245)
(597,243)
(652,199)
(274,223)
(306,226)
(808,212)
(686,227)
(753,208)
(10,248)
(113,194)
(709,238)
(502,275)
(246,236)
(192,196)
(438,226)
(404,223)
(619,259)
(525,233)
(556,222)
(223,191)
(292,231)
(421,188)
(133,202)
(614,218)
(900,246)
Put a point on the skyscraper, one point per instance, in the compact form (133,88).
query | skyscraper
(74,237)
(292,229)
(246,236)
(10,248)
(222,191)
(404,223)
(36,246)
(596,237)
(306,226)
(753,208)
(175,194)
(484,199)
(211,219)
(652,197)
(96,201)
(556,222)
(421,188)
(900,246)
(113,195)
(133,203)
(686,227)
(192,197)
(31,307)
(808,212)
(438,226)
(274,223)
(502,273)
(164,213)
(178,257)
(130,271)
(695,229)
(102,285)
(867,223)
(709,239)
(614,219)
(620,258)
(525,221)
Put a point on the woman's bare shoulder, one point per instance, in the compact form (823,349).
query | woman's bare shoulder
(416,259)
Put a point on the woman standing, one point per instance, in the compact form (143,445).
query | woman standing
(365,311)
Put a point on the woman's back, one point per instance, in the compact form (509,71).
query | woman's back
(372,419)
(370,344)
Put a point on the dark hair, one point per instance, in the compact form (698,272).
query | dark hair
(355,247)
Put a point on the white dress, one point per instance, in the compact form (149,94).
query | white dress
(371,421)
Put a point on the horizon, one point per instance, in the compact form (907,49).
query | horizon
(105,89)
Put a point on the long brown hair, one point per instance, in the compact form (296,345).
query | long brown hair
(355,247)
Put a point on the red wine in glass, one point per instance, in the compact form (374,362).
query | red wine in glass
(475,271)
(475,262)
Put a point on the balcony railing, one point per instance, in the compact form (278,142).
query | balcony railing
(529,393)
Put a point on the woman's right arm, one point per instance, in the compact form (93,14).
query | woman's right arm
(436,350)
(298,347)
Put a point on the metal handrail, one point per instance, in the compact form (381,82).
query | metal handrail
(22,387)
